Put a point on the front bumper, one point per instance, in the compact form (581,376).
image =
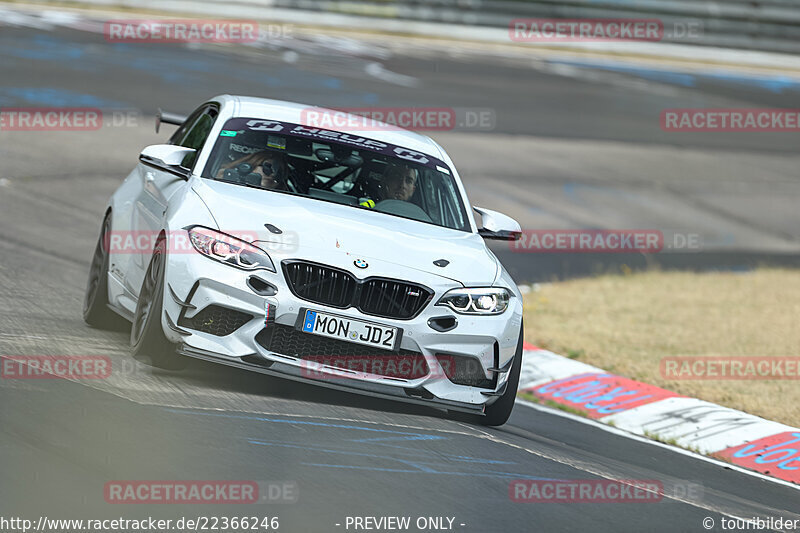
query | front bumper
(194,282)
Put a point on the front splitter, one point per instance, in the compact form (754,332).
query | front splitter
(286,371)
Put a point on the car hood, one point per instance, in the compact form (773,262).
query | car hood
(334,234)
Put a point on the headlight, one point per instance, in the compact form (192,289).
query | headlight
(229,250)
(488,301)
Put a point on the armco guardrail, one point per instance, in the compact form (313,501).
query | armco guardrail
(772,25)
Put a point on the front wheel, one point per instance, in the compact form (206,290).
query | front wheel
(498,413)
(147,336)
(95,303)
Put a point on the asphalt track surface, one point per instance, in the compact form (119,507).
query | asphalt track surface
(61,441)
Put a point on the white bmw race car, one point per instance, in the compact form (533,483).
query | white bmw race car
(349,259)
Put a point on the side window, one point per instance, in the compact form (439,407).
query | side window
(452,214)
(194,132)
(180,133)
(432,196)
(442,194)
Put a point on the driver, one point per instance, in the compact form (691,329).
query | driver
(399,182)
(270,165)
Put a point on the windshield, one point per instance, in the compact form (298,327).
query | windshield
(337,167)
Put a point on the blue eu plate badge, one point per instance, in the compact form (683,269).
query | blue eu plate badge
(311,317)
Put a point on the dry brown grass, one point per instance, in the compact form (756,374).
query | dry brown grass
(627,324)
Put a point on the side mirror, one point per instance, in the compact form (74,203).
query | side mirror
(498,226)
(167,157)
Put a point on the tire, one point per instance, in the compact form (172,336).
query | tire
(148,341)
(498,413)
(96,312)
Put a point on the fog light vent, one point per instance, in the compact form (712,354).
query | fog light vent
(443,323)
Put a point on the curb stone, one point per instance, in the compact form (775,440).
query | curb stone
(740,438)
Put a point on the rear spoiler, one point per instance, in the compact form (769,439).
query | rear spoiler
(168,118)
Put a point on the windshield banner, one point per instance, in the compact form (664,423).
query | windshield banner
(236,126)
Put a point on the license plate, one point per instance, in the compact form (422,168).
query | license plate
(351,330)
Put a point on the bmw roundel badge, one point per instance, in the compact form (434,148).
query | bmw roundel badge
(360,263)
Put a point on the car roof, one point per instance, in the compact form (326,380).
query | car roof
(293,112)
